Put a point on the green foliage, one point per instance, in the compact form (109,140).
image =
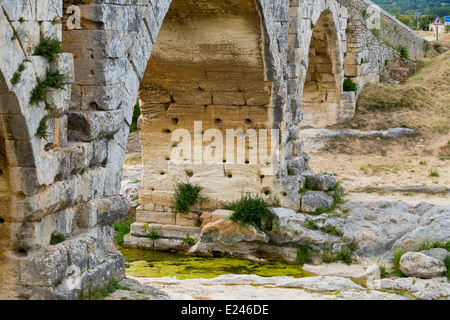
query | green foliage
(290,171)
(252,210)
(303,254)
(397,256)
(122,228)
(350,85)
(188,240)
(435,244)
(432,8)
(311,224)
(42,130)
(56,238)
(98,293)
(187,195)
(434,173)
(54,79)
(383,269)
(344,254)
(332,230)
(375,32)
(154,233)
(403,50)
(447,264)
(136,115)
(15,78)
(48,48)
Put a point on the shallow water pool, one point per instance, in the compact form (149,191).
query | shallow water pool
(156,264)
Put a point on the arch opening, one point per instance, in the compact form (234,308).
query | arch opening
(207,70)
(323,82)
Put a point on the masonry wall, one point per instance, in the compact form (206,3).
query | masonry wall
(61,158)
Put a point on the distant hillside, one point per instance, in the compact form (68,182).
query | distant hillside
(406,7)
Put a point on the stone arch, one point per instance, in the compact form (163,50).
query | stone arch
(323,81)
(209,64)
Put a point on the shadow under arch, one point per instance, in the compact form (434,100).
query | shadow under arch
(210,64)
(323,83)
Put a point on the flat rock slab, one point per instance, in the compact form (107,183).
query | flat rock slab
(133,290)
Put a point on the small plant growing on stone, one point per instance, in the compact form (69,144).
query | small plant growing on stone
(188,240)
(48,48)
(311,224)
(403,51)
(121,228)
(54,79)
(350,85)
(42,130)
(186,196)
(332,230)
(290,171)
(154,234)
(252,210)
(56,238)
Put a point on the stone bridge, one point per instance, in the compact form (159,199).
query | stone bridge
(198,67)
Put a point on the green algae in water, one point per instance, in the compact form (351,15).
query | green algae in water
(156,264)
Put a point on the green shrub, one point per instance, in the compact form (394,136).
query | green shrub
(344,254)
(447,264)
(303,254)
(48,48)
(187,195)
(403,50)
(54,79)
(56,238)
(350,85)
(122,228)
(252,210)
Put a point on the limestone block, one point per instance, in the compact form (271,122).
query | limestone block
(28,34)
(47,10)
(91,125)
(51,30)
(46,267)
(166,231)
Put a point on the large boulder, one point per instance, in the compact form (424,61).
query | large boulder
(415,264)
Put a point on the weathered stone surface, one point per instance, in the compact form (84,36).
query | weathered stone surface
(229,233)
(313,200)
(322,181)
(437,253)
(415,264)
(91,125)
